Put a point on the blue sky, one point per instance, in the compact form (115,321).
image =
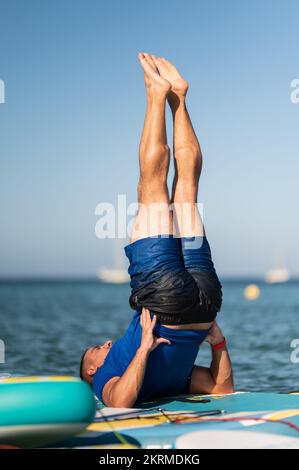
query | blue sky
(73,115)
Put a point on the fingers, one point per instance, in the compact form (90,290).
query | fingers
(142,319)
(145,318)
(208,338)
(153,322)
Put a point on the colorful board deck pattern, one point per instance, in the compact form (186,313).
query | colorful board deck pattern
(239,420)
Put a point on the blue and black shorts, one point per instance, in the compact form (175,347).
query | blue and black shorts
(174,278)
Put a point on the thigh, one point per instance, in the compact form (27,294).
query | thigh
(198,262)
(187,218)
(196,253)
(151,258)
(160,282)
(152,219)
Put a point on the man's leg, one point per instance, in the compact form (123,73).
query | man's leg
(159,280)
(188,163)
(153,216)
(187,155)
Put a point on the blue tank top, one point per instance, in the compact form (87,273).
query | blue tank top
(168,367)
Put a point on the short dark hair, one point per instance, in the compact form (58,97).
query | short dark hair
(82,364)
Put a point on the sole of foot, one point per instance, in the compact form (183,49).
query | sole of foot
(154,82)
(169,72)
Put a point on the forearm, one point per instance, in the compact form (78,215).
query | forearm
(125,391)
(221,370)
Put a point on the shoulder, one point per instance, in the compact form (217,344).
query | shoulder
(109,370)
(107,390)
(101,378)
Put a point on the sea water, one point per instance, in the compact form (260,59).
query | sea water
(45,326)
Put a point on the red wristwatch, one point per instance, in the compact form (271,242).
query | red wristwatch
(218,346)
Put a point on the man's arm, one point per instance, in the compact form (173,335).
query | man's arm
(123,391)
(218,378)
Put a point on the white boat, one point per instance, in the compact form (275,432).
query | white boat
(117,273)
(278,275)
(113,275)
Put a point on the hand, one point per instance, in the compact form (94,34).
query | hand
(215,335)
(148,341)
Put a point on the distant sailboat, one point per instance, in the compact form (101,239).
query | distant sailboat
(113,275)
(117,273)
(278,275)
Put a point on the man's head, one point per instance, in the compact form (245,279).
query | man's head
(92,359)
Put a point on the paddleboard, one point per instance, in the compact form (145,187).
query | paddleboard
(238,420)
(35,411)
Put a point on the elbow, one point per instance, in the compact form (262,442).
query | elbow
(121,404)
(118,402)
(224,388)
(229,389)
(114,397)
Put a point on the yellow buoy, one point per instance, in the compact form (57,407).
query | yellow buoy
(252,292)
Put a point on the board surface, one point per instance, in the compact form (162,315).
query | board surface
(194,421)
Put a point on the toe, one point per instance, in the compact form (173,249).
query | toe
(151,61)
(166,62)
(147,67)
(159,63)
(162,61)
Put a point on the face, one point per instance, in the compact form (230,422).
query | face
(95,357)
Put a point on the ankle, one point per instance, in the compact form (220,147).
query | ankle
(155,98)
(176,101)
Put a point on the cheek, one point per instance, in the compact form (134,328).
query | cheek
(101,357)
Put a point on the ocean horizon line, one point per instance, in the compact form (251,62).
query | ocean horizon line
(15,279)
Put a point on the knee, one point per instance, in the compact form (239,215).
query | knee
(154,162)
(189,150)
(154,152)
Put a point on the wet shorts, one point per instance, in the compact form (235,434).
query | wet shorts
(174,278)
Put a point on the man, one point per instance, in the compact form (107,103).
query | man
(175,290)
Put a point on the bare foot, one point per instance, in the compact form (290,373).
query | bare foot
(167,70)
(153,81)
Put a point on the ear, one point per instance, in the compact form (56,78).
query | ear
(91,370)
